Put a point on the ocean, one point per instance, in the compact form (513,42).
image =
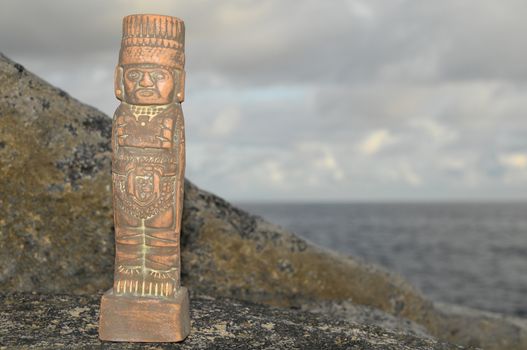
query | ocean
(472,254)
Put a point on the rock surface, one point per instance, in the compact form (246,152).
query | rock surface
(60,321)
(56,228)
(55,203)
(360,314)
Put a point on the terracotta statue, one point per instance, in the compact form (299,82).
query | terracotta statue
(147,303)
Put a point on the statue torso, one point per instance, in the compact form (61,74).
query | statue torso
(144,128)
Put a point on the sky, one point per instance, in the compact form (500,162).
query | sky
(342,100)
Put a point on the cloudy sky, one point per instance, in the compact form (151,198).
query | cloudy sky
(318,100)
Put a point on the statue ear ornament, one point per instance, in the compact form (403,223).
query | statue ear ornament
(181,86)
(180,97)
(118,81)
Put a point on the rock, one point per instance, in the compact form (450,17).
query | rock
(55,203)
(360,314)
(64,321)
(481,329)
(56,228)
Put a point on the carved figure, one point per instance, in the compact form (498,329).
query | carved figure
(147,302)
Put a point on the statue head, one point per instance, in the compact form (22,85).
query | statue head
(151,60)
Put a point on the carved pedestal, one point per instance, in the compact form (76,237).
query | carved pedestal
(131,319)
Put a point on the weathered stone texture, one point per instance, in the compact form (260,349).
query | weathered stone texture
(70,322)
(55,199)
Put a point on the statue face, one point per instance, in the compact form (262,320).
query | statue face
(148,85)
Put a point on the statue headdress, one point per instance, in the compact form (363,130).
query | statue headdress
(153,39)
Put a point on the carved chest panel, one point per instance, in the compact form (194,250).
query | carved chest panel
(145,131)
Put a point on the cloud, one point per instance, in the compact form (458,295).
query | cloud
(516,161)
(329,163)
(361,10)
(406,173)
(349,99)
(226,122)
(323,161)
(437,132)
(453,163)
(376,141)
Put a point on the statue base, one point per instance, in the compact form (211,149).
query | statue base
(140,319)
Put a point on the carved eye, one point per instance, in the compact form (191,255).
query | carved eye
(134,75)
(158,75)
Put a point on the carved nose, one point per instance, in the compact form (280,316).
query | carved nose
(146,81)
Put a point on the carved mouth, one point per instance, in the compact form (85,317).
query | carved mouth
(146,93)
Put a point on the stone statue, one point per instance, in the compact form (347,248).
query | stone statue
(147,303)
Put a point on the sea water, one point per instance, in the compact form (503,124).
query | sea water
(473,254)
